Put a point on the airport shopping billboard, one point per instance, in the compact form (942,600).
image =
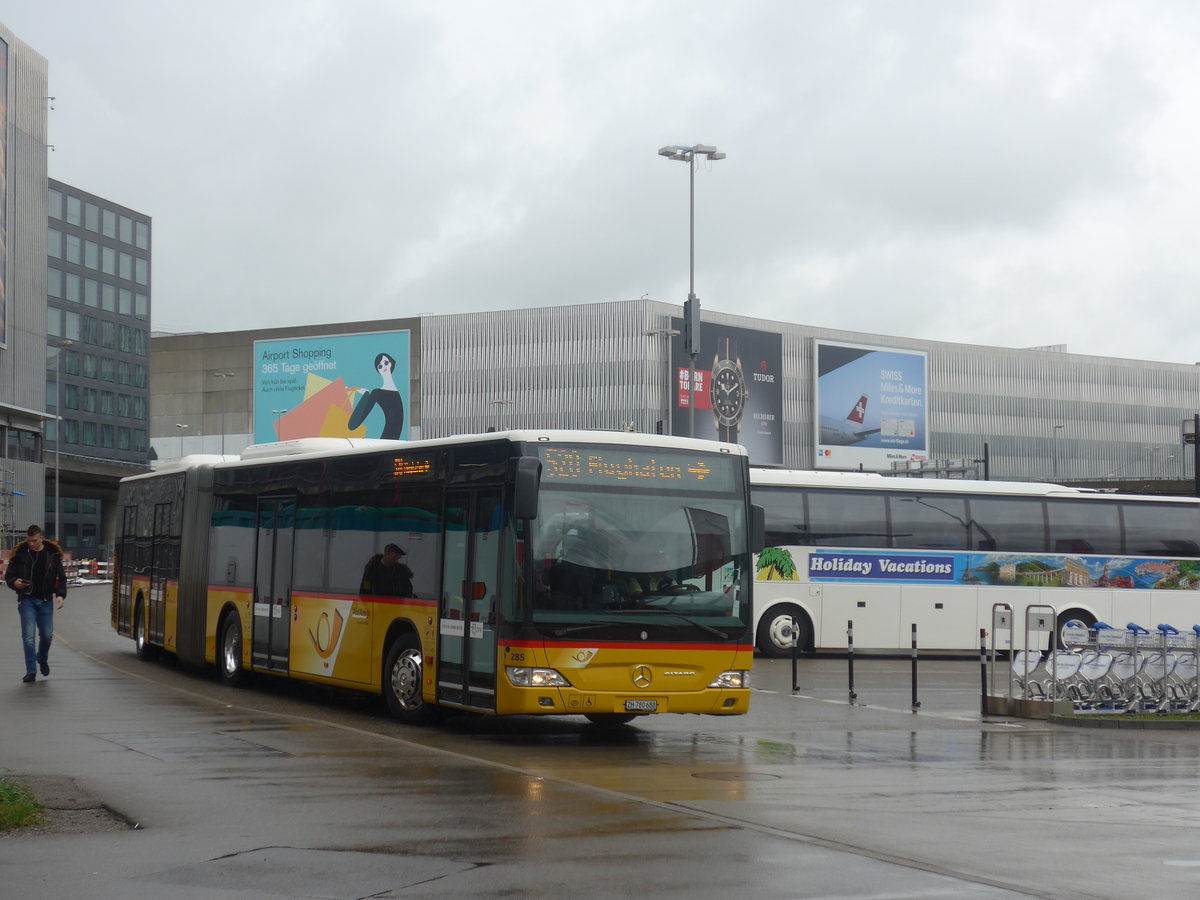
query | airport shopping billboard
(342,385)
(871,406)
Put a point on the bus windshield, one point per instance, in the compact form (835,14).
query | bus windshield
(609,560)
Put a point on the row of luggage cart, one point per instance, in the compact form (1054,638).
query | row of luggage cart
(1115,670)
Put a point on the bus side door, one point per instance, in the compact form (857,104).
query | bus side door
(273,582)
(470,587)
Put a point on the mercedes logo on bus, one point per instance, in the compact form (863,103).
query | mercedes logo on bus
(642,676)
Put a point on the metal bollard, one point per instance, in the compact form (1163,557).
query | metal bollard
(795,654)
(850,657)
(983,679)
(916,704)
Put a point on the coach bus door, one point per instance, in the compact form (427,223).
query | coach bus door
(160,570)
(273,582)
(470,589)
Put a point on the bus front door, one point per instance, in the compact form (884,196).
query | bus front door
(470,588)
(273,583)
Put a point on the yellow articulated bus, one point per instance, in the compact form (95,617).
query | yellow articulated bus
(540,573)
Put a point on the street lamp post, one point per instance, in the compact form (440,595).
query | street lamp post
(59,346)
(1057,429)
(223,375)
(691,309)
(668,333)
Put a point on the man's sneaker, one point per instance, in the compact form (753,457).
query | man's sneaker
(32,676)
(45,668)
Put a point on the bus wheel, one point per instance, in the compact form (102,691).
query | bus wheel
(610,720)
(403,673)
(1071,614)
(775,636)
(145,651)
(229,652)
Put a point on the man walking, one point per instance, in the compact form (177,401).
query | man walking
(36,573)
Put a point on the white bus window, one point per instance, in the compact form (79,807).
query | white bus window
(929,522)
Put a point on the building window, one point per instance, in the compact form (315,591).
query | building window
(52,394)
(123,405)
(70,430)
(89,434)
(89,507)
(74,251)
(54,283)
(107,436)
(54,243)
(108,369)
(108,220)
(91,217)
(91,292)
(70,396)
(54,203)
(125,266)
(123,375)
(108,335)
(107,399)
(91,254)
(89,365)
(125,339)
(139,440)
(124,441)
(108,297)
(69,360)
(142,240)
(74,211)
(71,326)
(141,271)
(91,330)
(139,342)
(72,291)
(141,306)
(108,263)
(53,322)
(89,398)
(126,234)
(139,376)
(125,302)
(139,408)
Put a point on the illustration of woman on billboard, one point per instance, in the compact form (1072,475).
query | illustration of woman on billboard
(387,398)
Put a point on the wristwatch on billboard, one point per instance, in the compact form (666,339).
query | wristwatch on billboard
(727,389)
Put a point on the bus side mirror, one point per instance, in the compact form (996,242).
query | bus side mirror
(526,477)
(758,529)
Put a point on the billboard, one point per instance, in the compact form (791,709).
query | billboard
(343,385)
(738,389)
(3,193)
(870,406)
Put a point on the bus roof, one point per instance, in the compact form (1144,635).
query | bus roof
(309,448)
(875,481)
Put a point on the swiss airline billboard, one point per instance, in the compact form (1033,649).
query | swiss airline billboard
(870,406)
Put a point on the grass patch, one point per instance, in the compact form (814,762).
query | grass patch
(18,807)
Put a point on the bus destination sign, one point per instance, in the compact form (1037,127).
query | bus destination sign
(626,467)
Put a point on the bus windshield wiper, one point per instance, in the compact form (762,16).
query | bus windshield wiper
(670,612)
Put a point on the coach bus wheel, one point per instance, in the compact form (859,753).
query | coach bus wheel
(403,673)
(775,637)
(145,651)
(229,653)
(1071,614)
(610,720)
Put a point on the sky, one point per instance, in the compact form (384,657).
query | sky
(1007,173)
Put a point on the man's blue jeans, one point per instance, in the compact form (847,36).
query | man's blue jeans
(36,616)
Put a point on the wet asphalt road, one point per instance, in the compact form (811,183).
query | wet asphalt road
(287,790)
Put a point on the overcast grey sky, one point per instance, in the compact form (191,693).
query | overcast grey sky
(1007,173)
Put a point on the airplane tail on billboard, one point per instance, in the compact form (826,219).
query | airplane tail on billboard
(859,414)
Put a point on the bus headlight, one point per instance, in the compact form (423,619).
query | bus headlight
(734,678)
(524,676)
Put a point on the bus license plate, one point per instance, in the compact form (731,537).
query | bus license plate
(641,706)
